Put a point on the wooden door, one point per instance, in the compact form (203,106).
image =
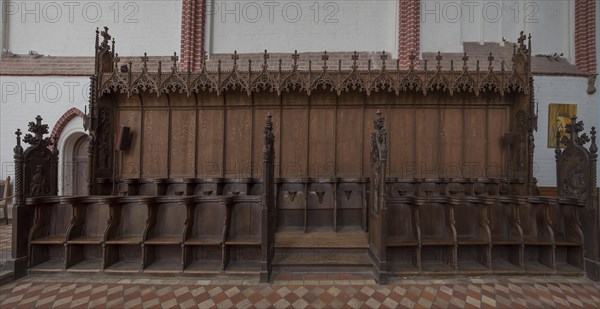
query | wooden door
(80,165)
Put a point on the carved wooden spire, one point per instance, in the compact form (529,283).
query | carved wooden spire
(266,57)
(354,59)
(383,58)
(295,56)
(325,57)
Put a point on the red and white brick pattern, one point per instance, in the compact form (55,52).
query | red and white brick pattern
(192,34)
(585,35)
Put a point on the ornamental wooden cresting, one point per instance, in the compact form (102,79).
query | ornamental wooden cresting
(443,186)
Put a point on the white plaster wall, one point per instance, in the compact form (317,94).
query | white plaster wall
(22,98)
(441,26)
(285,26)
(446,24)
(66,28)
(565,90)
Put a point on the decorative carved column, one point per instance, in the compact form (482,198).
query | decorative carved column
(268,202)
(377,213)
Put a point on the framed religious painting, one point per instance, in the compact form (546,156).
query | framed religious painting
(559,116)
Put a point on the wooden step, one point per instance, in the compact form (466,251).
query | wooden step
(296,251)
(298,239)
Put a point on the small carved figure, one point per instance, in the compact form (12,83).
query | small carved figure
(39,184)
(575,182)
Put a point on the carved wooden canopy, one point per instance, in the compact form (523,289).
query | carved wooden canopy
(115,77)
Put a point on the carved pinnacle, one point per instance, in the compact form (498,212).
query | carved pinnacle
(235,58)
(412,58)
(465,58)
(325,57)
(145,62)
(18,133)
(593,147)
(354,59)
(116,62)
(174,58)
(295,56)
(203,56)
(439,58)
(521,39)
(491,60)
(383,58)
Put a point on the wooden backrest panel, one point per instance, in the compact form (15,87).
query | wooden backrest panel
(317,136)
(208,219)
(96,216)
(170,218)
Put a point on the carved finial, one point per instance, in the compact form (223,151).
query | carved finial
(477,65)
(502,66)
(235,58)
(18,133)
(113,47)
(383,58)
(593,147)
(265,58)
(97,36)
(557,146)
(174,58)
(522,39)
(280,64)
(145,62)
(105,36)
(491,61)
(203,58)
(354,60)
(325,57)
(340,65)
(249,65)
(452,65)
(295,56)
(412,58)
(439,58)
(38,129)
(465,58)
(572,127)
(116,60)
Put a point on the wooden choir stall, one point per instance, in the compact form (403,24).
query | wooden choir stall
(259,164)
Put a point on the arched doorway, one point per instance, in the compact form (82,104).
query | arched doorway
(79,166)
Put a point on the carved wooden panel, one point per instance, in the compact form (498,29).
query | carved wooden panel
(294,142)
(130,159)
(402,145)
(349,142)
(475,142)
(496,154)
(155,138)
(238,142)
(210,136)
(183,148)
(427,152)
(321,162)
(451,148)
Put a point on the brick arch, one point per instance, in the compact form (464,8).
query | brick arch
(62,122)
(585,35)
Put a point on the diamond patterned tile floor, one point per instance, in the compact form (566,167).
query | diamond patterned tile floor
(295,291)
(63,291)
